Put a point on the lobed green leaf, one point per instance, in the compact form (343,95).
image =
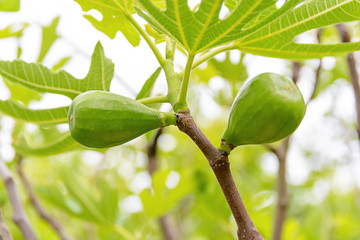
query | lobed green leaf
(42,79)
(40,117)
(63,144)
(257,27)
(275,37)
(49,36)
(114,18)
(201,30)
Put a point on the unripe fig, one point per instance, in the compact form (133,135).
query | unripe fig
(267,108)
(101,119)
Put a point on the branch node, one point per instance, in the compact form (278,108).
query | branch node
(220,165)
(220,161)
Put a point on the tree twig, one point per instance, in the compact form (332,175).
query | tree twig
(4,230)
(354,75)
(282,195)
(169,232)
(318,69)
(167,228)
(296,71)
(152,151)
(281,154)
(220,165)
(19,216)
(317,80)
(36,203)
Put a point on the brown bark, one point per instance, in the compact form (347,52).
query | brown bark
(296,72)
(318,69)
(354,75)
(168,229)
(220,165)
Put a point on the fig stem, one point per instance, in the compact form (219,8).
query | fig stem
(170,49)
(225,147)
(172,78)
(168,118)
(220,165)
(157,99)
(182,105)
(207,56)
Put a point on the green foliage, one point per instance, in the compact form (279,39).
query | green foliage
(97,206)
(10,5)
(159,38)
(160,199)
(148,85)
(62,143)
(40,78)
(202,30)
(274,36)
(21,94)
(49,36)
(234,74)
(12,31)
(41,117)
(61,63)
(114,19)
(86,196)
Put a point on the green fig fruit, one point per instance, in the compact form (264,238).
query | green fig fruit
(101,119)
(267,108)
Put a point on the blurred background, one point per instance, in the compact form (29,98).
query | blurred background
(111,194)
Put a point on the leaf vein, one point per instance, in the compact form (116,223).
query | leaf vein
(304,21)
(223,34)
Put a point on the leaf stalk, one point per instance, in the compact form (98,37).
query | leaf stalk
(170,49)
(182,105)
(151,100)
(205,57)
